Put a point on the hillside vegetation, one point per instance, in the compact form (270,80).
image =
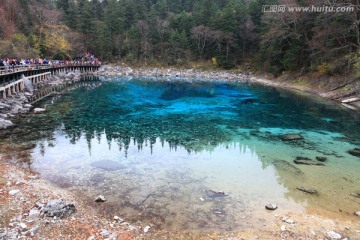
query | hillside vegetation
(176,32)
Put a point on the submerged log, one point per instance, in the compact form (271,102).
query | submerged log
(308,162)
(307,190)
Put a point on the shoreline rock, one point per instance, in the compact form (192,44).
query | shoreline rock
(271,206)
(117,71)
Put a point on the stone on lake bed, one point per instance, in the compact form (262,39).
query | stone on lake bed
(303,158)
(321,159)
(308,162)
(291,137)
(355,152)
(107,165)
(288,167)
(271,206)
(357,195)
(214,194)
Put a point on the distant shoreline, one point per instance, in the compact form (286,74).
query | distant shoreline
(337,95)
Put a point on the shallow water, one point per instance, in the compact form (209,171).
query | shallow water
(154,148)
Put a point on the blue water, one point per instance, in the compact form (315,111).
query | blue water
(153,148)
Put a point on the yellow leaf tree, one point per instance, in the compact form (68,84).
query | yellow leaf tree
(55,41)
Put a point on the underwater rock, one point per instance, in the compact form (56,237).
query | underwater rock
(100,198)
(107,165)
(288,167)
(307,190)
(303,158)
(139,196)
(214,194)
(308,162)
(248,100)
(271,206)
(291,137)
(355,152)
(321,159)
(58,180)
(357,195)
(58,208)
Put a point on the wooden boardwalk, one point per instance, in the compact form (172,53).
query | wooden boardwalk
(11,80)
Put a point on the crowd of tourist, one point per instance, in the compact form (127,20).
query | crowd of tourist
(8,64)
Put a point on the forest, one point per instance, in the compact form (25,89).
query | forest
(226,33)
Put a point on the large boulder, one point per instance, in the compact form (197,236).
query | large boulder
(39,110)
(28,85)
(58,208)
(5,123)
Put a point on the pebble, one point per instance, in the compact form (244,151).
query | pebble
(91,238)
(33,230)
(100,198)
(105,233)
(201,199)
(146,229)
(34,213)
(283,228)
(118,219)
(288,220)
(271,206)
(13,192)
(39,110)
(357,213)
(333,235)
(23,226)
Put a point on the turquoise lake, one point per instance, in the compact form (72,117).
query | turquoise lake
(154,147)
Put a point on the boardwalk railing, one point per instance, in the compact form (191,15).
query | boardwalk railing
(21,68)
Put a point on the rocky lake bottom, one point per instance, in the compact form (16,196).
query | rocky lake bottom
(196,154)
